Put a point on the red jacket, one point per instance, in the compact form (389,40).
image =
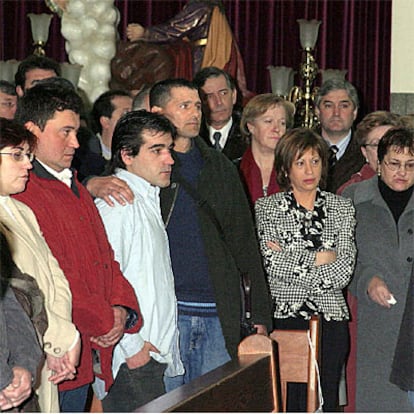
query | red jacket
(76,236)
(363,174)
(252,178)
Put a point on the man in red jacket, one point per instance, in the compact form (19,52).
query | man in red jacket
(104,303)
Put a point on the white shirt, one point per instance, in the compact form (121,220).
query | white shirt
(224,133)
(140,242)
(342,145)
(106,151)
(65,175)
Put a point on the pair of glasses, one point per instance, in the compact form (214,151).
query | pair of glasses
(396,165)
(370,145)
(19,156)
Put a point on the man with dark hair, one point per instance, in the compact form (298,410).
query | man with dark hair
(141,155)
(8,100)
(32,69)
(212,239)
(104,303)
(221,126)
(94,155)
(336,105)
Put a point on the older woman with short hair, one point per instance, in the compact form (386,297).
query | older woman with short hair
(368,134)
(385,239)
(306,238)
(31,254)
(265,119)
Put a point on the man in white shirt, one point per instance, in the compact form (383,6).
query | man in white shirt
(141,156)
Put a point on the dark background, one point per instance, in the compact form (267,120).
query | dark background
(354,35)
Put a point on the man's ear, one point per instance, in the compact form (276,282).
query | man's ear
(156,109)
(33,128)
(234,96)
(355,113)
(127,159)
(19,91)
(104,121)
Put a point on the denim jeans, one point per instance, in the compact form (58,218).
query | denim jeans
(411,397)
(135,387)
(202,348)
(73,401)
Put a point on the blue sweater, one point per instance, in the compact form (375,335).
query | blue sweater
(188,256)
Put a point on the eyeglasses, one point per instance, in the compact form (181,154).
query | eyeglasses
(19,156)
(370,145)
(396,165)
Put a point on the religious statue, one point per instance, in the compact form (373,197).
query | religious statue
(202,25)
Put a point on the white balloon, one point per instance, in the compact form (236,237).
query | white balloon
(110,16)
(89,27)
(99,71)
(104,49)
(107,30)
(76,8)
(98,9)
(71,30)
(80,56)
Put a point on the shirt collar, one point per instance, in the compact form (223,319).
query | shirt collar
(106,151)
(224,132)
(138,183)
(341,145)
(65,175)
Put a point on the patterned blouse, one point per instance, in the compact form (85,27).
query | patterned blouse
(299,288)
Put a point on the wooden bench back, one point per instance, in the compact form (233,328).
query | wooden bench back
(246,385)
(295,360)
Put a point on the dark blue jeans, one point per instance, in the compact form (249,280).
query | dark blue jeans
(73,401)
(202,348)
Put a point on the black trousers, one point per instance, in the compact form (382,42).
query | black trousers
(135,387)
(333,353)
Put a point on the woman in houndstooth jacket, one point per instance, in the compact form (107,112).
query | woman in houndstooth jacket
(306,238)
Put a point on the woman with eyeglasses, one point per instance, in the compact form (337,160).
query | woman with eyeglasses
(58,336)
(385,240)
(368,133)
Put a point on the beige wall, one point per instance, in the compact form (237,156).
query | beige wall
(402,46)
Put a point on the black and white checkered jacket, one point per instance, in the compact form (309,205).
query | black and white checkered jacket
(295,282)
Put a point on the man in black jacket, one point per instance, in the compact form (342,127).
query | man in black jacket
(212,239)
(337,108)
(221,125)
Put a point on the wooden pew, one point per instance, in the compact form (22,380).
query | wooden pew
(247,385)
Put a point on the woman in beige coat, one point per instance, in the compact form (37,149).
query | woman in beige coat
(61,341)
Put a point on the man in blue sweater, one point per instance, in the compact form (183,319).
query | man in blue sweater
(212,239)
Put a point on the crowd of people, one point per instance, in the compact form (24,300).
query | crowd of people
(126,232)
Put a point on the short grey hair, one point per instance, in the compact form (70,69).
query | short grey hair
(335,84)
